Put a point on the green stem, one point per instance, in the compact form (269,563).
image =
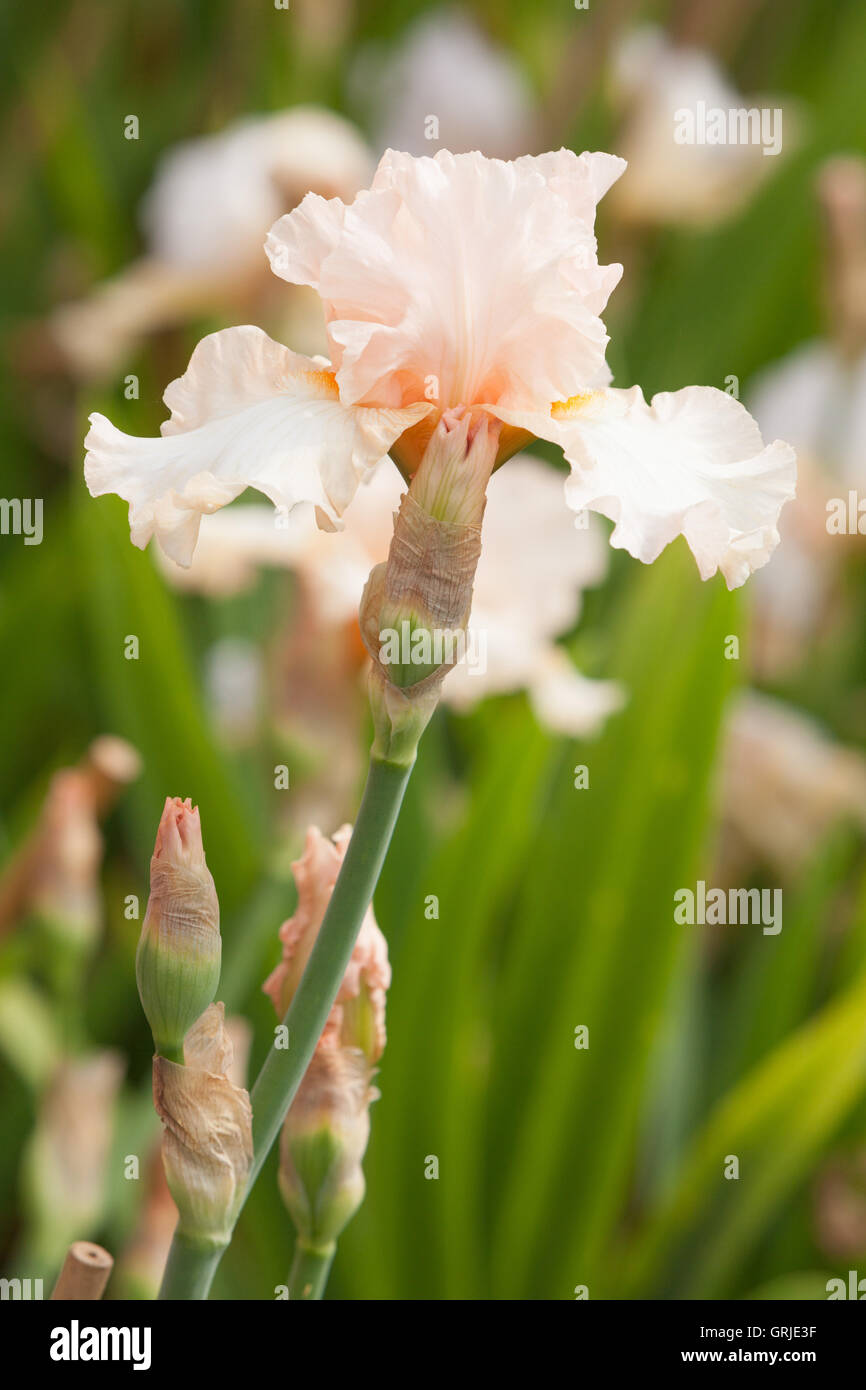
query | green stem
(310,1270)
(284,1068)
(190,1268)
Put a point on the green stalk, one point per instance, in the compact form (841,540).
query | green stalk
(284,1069)
(190,1268)
(310,1270)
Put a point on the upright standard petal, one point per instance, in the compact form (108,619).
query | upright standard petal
(690,463)
(246,413)
(459,279)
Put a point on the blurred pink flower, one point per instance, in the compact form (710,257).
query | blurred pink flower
(55,871)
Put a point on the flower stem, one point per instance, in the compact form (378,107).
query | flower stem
(190,1268)
(310,1270)
(284,1068)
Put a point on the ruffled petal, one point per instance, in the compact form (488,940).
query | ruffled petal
(690,463)
(246,413)
(459,279)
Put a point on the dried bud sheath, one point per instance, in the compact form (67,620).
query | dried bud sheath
(431,565)
(207,1144)
(416,606)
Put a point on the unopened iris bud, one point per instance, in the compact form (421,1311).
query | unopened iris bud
(177,964)
(357,1019)
(323,1143)
(326,1130)
(423,592)
(415,607)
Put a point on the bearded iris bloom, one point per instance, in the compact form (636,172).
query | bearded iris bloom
(452,282)
(462,299)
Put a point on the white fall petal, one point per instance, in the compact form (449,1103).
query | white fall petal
(246,413)
(689,463)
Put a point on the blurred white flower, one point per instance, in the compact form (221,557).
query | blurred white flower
(233,686)
(785,784)
(820,401)
(215,198)
(204,221)
(447,85)
(533,569)
(670,182)
(817,396)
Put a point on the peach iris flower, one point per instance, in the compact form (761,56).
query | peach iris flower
(452,281)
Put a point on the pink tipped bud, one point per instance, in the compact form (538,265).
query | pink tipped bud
(451,483)
(328,1125)
(357,1019)
(178,960)
(415,608)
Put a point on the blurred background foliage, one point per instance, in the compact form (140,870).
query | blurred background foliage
(558,1167)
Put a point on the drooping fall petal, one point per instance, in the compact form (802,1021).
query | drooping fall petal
(246,413)
(689,463)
